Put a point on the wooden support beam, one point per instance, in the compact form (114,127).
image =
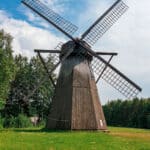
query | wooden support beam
(46,51)
(49,75)
(107,53)
(58,51)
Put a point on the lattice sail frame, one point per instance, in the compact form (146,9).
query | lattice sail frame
(116,80)
(105,22)
(51,16)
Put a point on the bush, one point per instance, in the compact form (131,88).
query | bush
(42,123)
(21,121)
(9,122)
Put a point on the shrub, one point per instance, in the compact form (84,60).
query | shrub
(9,122)
(42,123)
(21,121)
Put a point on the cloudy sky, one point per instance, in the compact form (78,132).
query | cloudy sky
(130,36)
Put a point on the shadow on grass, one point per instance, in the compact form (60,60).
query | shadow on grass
(40,130)
(44,130)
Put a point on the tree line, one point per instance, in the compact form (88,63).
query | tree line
(129,113)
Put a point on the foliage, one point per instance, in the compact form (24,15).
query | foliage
(2,104)
(21,121)
(9,122)
(117,139)
(7,65)
(22,96)
(135,113)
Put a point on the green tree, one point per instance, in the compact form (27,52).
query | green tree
(28,76)
(128,113)
(7,65)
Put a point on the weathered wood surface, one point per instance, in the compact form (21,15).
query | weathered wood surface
(76,104)
(86,108)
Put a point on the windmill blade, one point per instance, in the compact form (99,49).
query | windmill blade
(52,17)
(115,78)
(100,75)
(97,30)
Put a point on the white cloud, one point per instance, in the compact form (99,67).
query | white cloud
(26,37)
(56,5)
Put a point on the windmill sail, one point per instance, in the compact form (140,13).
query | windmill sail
(52,17)
(116,79)
(96,31)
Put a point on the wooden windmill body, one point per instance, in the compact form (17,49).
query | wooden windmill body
(76,104)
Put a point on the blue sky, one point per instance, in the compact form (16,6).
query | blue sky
(70,9)
(12,7)
(129,36)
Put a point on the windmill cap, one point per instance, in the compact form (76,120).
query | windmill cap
(77,50)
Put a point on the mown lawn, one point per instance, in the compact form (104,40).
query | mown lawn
(36,139)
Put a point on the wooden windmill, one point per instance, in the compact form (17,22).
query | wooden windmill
(76,104)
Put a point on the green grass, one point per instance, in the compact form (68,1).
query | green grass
(36,139)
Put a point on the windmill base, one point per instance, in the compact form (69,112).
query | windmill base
(76,104)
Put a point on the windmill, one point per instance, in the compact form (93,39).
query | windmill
(76,104)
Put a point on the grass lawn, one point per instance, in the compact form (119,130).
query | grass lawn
(36,139)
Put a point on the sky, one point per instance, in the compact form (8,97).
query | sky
(130,36)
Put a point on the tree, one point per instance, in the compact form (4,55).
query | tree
(128,113)
(21,99)
(7,65)
(41,99)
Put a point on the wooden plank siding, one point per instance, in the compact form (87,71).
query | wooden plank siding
(76,104)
